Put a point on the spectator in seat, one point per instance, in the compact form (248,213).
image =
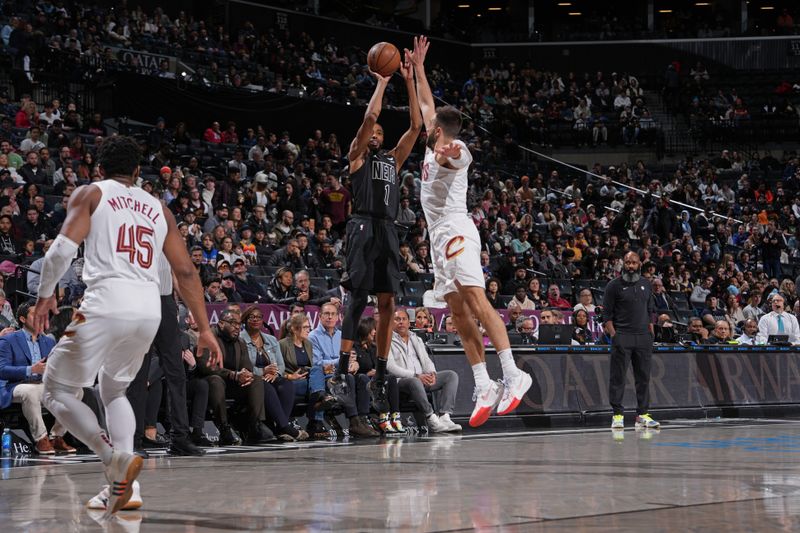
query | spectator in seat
(246,285)
(522,300)
(423,319)
(281,289)
(721,333)
(551,316)
(268,366)
(309,380)
(663,301)
(514,312)
(23,360)
(696,331)
(712,313)
(409,361)
(35,227)
(326,340)
(32,171)
(753,308)
(493,293)
(288,256)
(524,326)
(213,134)
(581,334)
(701,292)
(554,298)
(213,292)
(367,359)
(585,301)
(306,292)
(327,257)
(237,372)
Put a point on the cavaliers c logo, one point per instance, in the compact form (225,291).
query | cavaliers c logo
(452,249)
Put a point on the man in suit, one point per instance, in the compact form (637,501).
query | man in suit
(237,372)
(23,360)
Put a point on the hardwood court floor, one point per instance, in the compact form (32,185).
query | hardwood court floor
(690,476)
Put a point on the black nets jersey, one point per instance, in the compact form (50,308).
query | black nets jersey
(376,191)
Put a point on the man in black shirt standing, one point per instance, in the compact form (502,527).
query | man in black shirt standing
(373,247)
(627,310)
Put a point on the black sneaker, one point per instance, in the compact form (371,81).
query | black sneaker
(199,439)
(334,424)
(228,437)
(316,430)
(379,394)
(182,446)
(288,433)
(260,434)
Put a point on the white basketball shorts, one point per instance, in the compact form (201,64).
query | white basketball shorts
(456,255)
(110,333)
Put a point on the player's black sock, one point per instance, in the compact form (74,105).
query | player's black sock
(380,370)
(344,363)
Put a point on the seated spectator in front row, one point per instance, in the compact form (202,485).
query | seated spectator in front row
(23,360)
(269,367)
(721,333)
(237,371)
(306,292)
(749,331)
(581,334)
(514,312)
(409,361)
(551,316)
(367,358)
(712,313)
(326,340)
(309,381)
(697,332)
(204,392)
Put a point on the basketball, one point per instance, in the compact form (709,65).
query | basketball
(383,58)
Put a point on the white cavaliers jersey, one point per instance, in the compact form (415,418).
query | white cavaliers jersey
(126,236)
(444,190)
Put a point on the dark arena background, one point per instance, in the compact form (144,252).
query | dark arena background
(666,128)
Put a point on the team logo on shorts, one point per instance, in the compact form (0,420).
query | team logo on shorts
(452,249)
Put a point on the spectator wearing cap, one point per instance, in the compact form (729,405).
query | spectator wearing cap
(220,217)
(259,193)
(281,288)
(228,283)
(246,285)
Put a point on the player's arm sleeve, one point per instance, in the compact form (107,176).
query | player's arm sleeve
(55,265)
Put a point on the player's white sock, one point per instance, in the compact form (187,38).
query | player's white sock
(120,419)
(510,369)
(62,401)
(482,379)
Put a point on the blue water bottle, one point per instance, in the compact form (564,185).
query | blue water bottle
(6,442)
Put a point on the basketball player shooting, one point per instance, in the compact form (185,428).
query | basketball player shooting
(124,229)
(373,247)
(455,250)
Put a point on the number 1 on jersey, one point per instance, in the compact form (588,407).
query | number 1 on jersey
(386,194)
(131,240)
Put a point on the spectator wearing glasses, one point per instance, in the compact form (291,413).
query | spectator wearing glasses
(268,366)
(309,380)
(778,322)
(585,301)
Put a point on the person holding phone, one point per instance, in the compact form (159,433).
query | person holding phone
(309,380)
(268,366)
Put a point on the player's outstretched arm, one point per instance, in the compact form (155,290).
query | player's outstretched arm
(359,144)
(424,94)
(59,257)
(190,289)
(409,138)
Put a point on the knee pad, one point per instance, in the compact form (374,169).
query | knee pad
(352,313)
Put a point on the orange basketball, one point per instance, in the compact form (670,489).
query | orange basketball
(384,59)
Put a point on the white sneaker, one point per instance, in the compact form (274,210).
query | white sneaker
(435,424)
(100,501)
(485,402)
(121,472)
(514,390)
(445,419)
